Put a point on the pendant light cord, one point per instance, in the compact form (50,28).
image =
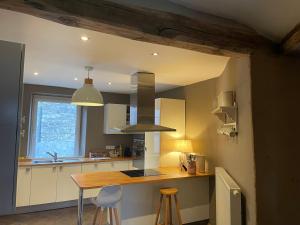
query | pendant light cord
(88,68)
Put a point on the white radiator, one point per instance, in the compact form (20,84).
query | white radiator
(228,199)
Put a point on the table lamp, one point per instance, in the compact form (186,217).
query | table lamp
(185,147)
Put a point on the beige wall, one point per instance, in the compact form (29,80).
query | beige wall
(235,155)
(200,123)
(95,139)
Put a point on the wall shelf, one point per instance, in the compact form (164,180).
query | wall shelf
(228,116)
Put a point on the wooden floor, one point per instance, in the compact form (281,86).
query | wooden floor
(66,216)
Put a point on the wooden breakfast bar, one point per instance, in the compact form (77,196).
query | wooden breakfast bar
(93,180)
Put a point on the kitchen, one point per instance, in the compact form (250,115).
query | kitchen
(88,113)
(58,139)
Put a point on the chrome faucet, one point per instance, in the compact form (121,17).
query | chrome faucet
(54,155)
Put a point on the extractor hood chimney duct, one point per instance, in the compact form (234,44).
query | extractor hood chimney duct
(143,110)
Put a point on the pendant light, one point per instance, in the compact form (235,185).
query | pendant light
(87,95)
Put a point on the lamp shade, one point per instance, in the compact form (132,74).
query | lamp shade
(184,146)
(87,95)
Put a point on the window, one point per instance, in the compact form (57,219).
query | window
(54,127)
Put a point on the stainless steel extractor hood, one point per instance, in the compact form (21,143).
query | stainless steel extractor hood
(143,108)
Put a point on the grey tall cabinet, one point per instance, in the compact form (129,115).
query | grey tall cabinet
(11,82)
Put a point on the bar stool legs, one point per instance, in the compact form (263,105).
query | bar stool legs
(158,209)
(166,198)
(178,210)
(110,216)
(100,215)
(96,216)
(106,203)
(116,216)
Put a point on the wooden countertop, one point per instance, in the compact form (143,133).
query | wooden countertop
(24,163)
(100,179)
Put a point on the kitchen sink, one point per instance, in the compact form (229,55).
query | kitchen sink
(44,161)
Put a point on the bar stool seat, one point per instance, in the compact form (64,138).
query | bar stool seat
(108,198)
(168,191)
(166,196)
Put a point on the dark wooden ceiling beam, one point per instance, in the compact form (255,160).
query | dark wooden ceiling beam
(207,33)
(291,43)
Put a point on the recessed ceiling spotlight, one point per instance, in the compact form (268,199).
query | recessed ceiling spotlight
(155,54)
(35,73)
(109,83)
(75,78)
(84,38)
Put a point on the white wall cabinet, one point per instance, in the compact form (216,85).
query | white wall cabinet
(23,186)
(43,185)
(115,118)
(66,188)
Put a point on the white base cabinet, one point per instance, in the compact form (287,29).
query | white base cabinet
(23,186)
(120,165)
(53,183)
(43,185)
(66,189)
(94,167)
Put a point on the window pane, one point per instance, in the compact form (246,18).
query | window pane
(56,124)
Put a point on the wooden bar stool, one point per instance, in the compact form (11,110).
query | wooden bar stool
(166,195)
(108,198)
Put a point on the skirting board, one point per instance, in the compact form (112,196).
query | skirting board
(50,206)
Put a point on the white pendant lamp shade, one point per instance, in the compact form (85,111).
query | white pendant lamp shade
(87,95)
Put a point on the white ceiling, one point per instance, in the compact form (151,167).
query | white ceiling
(56,52)
(272,18)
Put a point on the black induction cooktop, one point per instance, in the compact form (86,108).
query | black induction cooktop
(141,173)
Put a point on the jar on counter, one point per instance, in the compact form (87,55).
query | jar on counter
(191,167)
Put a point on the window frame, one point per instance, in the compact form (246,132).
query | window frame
(33,123)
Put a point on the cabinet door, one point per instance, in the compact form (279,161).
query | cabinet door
(114,118)
(94,167)
(66,188)
(120,165)
(43,185)
(130,165)
(23,186)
